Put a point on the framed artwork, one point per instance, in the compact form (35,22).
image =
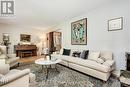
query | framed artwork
(79,32)
(115,24)
(25,38)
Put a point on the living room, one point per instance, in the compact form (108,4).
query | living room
(104,35)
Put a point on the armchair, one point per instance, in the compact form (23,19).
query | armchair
(15,78)
(5,58)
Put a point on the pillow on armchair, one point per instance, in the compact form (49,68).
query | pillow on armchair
(4,68)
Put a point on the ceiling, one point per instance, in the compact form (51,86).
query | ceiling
(43,14)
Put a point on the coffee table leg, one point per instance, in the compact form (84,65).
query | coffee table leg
(47,73)
(42,67)
(56,68)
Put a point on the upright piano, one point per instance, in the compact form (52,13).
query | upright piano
(25,48)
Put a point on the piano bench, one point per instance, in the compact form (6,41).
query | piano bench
(25,52)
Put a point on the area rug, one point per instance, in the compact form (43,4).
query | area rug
(66,78)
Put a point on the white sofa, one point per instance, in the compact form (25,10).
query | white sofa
(88,66)
(15,78)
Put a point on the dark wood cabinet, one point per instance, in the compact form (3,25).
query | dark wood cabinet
(54,41)
(19,49)
(50,42)
(128,60)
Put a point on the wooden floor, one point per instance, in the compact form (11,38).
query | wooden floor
(29,59)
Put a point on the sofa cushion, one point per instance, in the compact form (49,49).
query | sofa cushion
(13,71)
(90,64)
(86,63)
(94,65)
(93,55)
(3,56)
(84,54)
(4,68)
(12,77)
(66,52)
(107,55)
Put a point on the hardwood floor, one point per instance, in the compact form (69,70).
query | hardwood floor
(29,59)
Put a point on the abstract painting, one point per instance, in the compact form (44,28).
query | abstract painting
(79,32)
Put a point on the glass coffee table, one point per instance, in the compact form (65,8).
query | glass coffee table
(47,63)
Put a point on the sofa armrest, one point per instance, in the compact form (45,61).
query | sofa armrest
(11,55)
(6,79)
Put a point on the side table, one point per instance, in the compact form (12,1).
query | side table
(125,78)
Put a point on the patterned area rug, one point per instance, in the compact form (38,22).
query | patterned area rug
(66,78)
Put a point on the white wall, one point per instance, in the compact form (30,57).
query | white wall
(16,30)
(99,38)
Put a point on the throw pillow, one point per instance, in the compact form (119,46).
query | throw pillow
(109,63)
(93,56)
(4,68)
(104,59)
(107,55)
(76,54)
(72,51)
(61,51)
(66,52)
(84,54)
(99,60)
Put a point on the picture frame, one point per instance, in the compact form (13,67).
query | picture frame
(79,32)
(115,24)
(25,38)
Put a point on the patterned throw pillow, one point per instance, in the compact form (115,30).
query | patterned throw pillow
(101,61)
(76,54)
(84,54)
